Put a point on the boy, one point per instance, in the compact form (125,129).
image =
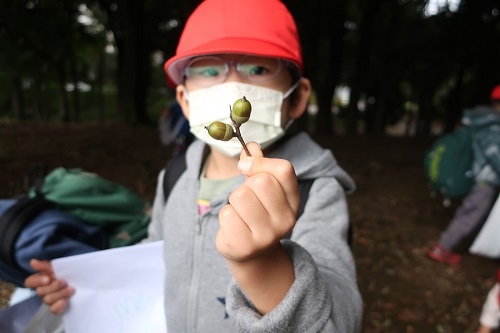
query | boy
(225,252)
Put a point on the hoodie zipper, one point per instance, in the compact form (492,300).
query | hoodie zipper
(195,280)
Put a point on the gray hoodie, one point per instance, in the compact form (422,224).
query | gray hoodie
(200,293)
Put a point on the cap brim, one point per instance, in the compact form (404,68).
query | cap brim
(175,65)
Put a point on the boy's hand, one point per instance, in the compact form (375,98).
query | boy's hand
(54,292)
(261,211)
(259,214)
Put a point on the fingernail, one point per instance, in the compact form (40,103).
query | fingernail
(244,165)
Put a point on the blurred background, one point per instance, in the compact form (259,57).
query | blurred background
(82,85)
(402,67)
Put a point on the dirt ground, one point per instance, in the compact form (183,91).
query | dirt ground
(395,219)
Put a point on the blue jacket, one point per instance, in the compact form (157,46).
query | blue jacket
(485,123)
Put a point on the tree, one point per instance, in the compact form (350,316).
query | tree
(394,53)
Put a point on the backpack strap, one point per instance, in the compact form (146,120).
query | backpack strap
(173,170)
(304,187)
(12,222)
(17,216)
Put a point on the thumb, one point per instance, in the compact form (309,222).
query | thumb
(254,149)
(246,161)
(41,265)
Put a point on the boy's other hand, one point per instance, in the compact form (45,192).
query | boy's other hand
(54,292)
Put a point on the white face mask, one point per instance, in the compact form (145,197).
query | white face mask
(212,104)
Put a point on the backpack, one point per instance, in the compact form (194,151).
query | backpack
(67,212)
(97,201)
(448,163)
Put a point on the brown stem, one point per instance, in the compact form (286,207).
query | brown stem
(237,132)
(243,144)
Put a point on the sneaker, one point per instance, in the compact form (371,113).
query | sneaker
(444,256)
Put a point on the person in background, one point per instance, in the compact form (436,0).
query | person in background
(237,257)
(490,315)
(476,205)
(174,129)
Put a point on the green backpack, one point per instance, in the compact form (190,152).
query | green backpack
(120,212)
(448,163)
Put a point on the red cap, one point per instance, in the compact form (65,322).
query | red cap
(257,27)
(495,93)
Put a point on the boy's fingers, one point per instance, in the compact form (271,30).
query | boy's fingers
(54,287)
(36,280)
(41,265)
(254,149)
(59,307)
(250,165)
(62,294)
(43,278)
(280,169)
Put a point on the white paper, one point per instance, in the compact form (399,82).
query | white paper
(486,243)
(118,290)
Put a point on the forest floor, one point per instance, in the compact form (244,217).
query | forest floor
(395,220)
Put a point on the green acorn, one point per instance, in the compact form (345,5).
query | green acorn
(241,110)
(220,131)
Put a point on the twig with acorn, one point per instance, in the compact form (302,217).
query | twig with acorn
(239,114)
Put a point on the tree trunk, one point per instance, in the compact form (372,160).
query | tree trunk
(70,34)
(371,8)
(17,99)
(322,29)
(131,60)
(383,78)
(454,111)
(37,105)
(99,85)
(75,80)
(333,18)
(309,35)
(66,113)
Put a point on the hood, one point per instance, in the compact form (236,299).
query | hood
(481,116)
(312,161)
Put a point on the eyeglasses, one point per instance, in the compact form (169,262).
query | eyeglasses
(210,70)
